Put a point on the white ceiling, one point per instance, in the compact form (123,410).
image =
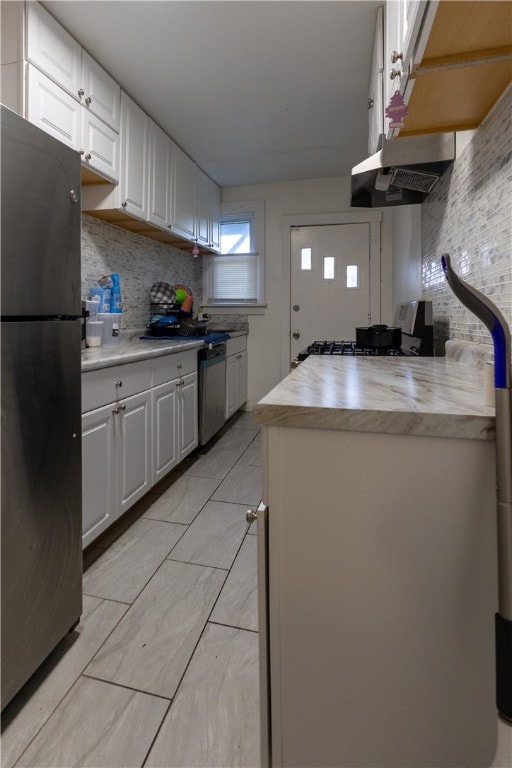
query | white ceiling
(255,91)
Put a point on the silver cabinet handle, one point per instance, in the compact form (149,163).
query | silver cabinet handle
(251,515)
(81,92)
(119,383)
(116,409)
(73,196)
(124,204)
(395,73)
(395,56)
(122,407)
(88,100)
(296,335)
(370,103)
(179,366)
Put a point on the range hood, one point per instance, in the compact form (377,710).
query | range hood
(403,171)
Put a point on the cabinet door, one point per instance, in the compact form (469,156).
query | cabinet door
(159,182)
(98,473)
(214,216)
(188,431)
(231,385)
(164,429)
(99,146)
(203,209)
(52,109)
(52,49)
(375,95)
(184,194)
(134,158)
(132,433)
(102,95)
(242,378)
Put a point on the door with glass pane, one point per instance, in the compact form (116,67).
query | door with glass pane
(330,283)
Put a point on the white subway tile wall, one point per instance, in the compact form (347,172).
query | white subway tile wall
(140,262)
(469,216)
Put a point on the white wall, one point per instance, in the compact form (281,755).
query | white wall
(406,253)
(265,348)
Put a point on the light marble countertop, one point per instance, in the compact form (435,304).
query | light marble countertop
(131,349)
(434,397)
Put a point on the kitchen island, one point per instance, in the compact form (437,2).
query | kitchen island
(379,547)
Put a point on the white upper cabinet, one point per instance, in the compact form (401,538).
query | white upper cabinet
(375,91)
(214,216)
(133,173)
(52,109)
(183,194)
(53,50)
(402,26)
(203,209)
(159,181)
(99,92)
(99,146)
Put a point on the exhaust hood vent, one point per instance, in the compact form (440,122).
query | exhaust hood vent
(403,171)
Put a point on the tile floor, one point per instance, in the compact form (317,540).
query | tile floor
(163,669)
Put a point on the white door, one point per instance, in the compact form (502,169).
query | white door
(134,159)
(330,283)
(165,429)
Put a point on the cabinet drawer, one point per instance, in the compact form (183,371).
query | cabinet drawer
(169,367)
(107,385)
(238,344)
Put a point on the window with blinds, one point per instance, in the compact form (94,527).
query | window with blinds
(235,275)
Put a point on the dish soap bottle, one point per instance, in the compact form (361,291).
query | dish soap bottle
(116,305)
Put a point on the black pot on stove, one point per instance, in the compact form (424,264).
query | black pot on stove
(379,337)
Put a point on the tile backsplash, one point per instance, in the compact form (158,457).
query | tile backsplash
(139,261)
(469,216)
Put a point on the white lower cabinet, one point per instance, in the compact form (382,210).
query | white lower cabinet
(236,374)
(98,473)
(187,415)
(175,433)
(139,421)
(132,429)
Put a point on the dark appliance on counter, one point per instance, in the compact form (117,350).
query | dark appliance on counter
(415,320)
(379,337)
(40,399)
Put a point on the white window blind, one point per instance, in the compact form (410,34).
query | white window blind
(233,277)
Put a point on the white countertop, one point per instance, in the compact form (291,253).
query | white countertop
(407,395)
(131,349)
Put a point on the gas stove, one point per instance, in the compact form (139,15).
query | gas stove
(337,348)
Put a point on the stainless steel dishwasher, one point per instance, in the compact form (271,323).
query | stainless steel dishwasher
(212,391)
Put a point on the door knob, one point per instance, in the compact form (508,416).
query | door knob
(296,335)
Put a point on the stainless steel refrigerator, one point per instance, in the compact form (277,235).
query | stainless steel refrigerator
(41,565)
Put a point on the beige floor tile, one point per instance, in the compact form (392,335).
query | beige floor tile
(32,707)
(97,725)
(213,722)
(214,537)
(243,485)
(236,439)
(126,567)
(252,455)
(237,605)
(150,648)
(246,420)
(183,500)
(216,463)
